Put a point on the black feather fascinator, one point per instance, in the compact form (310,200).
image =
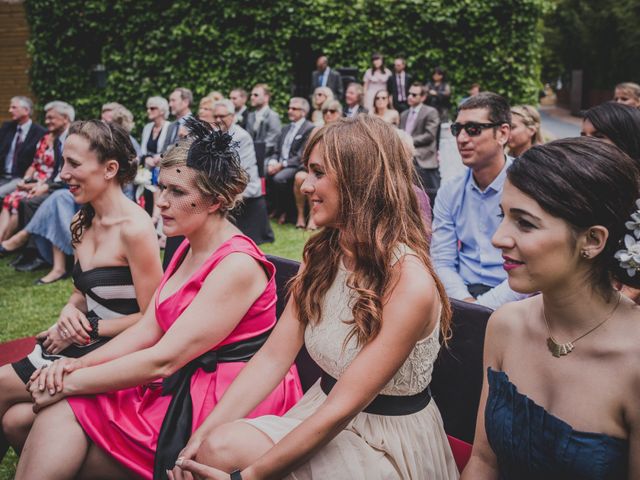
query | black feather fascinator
(212,149)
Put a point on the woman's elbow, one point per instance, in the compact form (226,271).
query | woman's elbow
(163,365)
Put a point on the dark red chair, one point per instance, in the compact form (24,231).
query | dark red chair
(14,350)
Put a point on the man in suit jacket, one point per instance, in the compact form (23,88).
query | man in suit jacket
(238,97)
(325,76)
(421,122)
(398,84)
(263,123)
(354,98)
(58,117)
(180,102)
(282,166)
(18,140)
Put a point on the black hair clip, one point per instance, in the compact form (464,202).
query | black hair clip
(211,149)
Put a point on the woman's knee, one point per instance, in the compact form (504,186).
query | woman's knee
(217,445)
(12,389)
(233,445)
(16,424)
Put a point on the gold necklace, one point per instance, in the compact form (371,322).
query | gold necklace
(558,349)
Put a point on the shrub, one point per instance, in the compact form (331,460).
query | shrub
(151,46)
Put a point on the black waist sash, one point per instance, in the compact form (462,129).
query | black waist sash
(176,426)
(390,405)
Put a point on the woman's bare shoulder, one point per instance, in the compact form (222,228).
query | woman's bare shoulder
(512,319)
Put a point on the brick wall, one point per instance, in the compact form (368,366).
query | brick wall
(14,61)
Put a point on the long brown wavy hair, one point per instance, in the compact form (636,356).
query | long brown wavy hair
(378,211)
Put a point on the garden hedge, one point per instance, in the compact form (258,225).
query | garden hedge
(150,46)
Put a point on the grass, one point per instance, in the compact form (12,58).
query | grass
(26,309)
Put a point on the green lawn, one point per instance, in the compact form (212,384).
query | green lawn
(26,309)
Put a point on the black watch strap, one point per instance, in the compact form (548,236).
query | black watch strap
(235,475)
(93,321)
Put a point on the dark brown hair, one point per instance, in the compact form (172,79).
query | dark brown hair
(109,141)
(585,182)
(620,123)
(497,106)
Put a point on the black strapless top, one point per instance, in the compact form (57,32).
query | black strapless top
(530,443)
(110,289)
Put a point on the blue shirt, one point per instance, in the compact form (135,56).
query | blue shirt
(464,220)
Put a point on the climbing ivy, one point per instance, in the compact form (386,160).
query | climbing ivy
(151,46)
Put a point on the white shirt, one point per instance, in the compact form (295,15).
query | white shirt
(325,76)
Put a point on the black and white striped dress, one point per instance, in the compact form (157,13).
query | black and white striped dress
(109,293)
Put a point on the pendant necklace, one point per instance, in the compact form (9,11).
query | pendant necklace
(558,349)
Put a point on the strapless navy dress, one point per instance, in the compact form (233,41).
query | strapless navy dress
(530,443)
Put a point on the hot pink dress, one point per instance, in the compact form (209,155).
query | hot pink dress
(126,423)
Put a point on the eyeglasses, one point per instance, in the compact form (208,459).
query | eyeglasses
(320,94)
(329,111)
(412,94)
(152,108)
(220,117)
(382,98)
(473,129)
(295,108)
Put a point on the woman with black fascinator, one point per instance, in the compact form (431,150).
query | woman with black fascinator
(214,308)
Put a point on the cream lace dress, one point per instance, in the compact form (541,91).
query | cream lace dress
(371,447)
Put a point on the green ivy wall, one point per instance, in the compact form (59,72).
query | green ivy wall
(149,47)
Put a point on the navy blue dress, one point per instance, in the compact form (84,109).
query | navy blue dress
(530,443)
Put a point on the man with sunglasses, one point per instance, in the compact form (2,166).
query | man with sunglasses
(282,166)
(467,209)
(421,122)
(263,123)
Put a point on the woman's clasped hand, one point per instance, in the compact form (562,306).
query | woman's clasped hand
(187,468)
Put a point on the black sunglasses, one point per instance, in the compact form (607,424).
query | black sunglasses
(473,129)
(328,111)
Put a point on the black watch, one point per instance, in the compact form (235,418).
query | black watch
(235,475)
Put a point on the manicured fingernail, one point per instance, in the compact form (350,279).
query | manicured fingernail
(51,391)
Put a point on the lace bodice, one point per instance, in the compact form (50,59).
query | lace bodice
(325,343)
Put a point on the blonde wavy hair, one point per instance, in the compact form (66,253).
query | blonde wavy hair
(530,118)
(378,211)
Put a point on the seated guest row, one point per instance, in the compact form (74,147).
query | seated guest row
(242,448)
(182,205)
(572,253)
